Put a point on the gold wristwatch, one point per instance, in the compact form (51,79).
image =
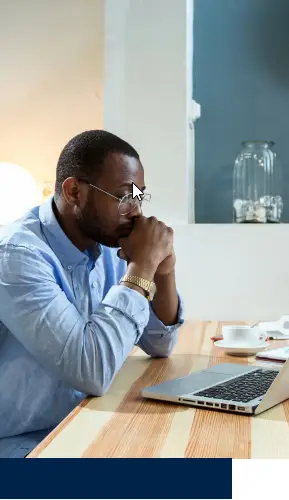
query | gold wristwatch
(149,287)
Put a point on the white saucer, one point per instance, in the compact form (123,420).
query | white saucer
(234,350)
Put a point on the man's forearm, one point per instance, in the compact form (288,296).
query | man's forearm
(165,303)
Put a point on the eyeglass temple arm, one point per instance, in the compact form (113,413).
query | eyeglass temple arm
(102,190)
(115,197)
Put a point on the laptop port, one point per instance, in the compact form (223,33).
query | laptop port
(201,402)
(209,404)
(241,408)
(217,405)
(232,407)
(223,406)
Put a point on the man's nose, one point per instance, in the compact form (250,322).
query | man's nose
(137,211)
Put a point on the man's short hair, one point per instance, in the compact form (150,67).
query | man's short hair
(84,154)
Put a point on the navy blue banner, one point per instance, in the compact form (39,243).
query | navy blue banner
(116,478)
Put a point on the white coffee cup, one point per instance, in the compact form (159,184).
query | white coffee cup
(243,335)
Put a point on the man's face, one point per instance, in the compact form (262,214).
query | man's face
(98,217)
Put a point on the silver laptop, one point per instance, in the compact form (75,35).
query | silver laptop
(227,387)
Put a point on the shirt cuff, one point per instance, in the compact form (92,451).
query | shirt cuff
(131,303)
(156,326)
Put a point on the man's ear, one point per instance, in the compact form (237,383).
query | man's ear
(71,190)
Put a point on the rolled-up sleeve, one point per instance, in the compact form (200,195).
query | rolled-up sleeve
(158,340)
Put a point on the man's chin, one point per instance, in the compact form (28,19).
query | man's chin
(110,242)
(125,233)
(113,241)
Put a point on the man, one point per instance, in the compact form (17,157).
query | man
(71,307)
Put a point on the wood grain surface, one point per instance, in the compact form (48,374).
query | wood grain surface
(122,424)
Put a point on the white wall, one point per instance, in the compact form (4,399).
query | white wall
(51,60)
(233,272)
(224,272)
(147,93)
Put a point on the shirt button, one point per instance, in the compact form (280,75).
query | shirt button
(69,268)
(94,284)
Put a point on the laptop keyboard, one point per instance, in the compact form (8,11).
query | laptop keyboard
(243,388)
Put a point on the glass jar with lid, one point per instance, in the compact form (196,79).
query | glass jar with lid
(257,186)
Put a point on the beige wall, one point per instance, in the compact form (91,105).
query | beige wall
(51,60)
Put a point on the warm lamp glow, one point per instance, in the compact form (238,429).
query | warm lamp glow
(18,192)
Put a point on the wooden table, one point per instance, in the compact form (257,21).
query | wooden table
(122,424)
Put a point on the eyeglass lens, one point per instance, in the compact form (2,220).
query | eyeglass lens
(128,203)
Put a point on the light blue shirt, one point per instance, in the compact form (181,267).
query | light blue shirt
(66,326)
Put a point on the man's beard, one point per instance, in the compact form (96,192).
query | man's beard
(94,229)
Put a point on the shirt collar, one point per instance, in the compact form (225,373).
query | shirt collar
(68,254)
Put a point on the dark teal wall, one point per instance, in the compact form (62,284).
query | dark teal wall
(241,80)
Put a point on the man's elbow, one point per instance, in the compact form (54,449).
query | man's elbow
(98,393)
(165,350)
(93,385)
(97,389)
(162,353)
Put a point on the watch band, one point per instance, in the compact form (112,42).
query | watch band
(147,286)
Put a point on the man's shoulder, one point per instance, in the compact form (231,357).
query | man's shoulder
(22,234)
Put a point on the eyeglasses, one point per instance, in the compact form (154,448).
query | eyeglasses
(127,203)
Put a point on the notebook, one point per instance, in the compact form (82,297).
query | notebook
(277,354)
